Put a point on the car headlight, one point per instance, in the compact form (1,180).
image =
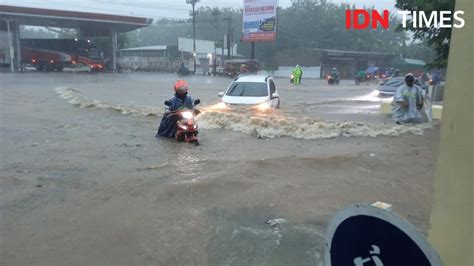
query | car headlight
(218,106)
(187,114)
(263,106)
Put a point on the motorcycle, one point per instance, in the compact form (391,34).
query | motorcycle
(360,79)
(186,126)
(332,79)
(292,77)
(183,72)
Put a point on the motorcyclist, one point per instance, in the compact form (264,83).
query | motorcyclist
(335,74)
(361,74)
(297,73)
(180,100)
(183,69)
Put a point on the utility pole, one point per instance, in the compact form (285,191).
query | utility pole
(10,45)
(193,3)
(216,12)
(229,34)
(252,53)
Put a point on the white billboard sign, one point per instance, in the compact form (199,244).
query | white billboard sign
(259,20)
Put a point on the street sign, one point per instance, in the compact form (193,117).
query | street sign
(367,235)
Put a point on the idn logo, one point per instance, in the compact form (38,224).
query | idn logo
(360,19)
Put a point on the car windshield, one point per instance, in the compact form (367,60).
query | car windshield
(248,89)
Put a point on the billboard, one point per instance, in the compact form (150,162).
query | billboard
(259,20)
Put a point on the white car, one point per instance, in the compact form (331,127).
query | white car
(258,91)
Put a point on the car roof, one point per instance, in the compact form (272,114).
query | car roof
(252,78)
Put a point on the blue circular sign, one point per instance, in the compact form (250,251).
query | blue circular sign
(364,235)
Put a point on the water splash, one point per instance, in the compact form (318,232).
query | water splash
(261,125)
(271,126)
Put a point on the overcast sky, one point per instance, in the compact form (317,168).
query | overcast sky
(161,8)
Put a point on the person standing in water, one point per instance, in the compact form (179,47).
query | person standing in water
(407,102)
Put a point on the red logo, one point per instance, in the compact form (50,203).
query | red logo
(360,19)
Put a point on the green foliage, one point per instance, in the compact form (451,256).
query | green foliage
(438,38)
(306,24)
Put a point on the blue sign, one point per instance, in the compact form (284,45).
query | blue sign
(364,235)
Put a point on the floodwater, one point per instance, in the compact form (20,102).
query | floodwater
(84,181)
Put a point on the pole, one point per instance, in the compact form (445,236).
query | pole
(194,36)
(17,43)
(229,30)
(114,51)
(252,54)
(452,206)
(10,43)
(215,13)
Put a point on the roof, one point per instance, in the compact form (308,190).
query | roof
(147,48)
(71,19)
(345,52)
(252,78)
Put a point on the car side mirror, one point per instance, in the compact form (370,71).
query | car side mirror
(197,101)
(275,95)
(167,103)
(220,94)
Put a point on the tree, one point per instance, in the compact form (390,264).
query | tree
(438,38)
(323,27)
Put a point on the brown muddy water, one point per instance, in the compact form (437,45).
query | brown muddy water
(84,181)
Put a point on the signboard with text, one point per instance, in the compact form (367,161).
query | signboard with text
(259,20)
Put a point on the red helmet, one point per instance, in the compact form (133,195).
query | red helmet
(181,86)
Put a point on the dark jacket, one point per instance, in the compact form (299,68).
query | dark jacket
(168,123)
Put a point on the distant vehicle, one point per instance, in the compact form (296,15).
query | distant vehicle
(183,72)
(333,79)
(55,54)
(233,67)
(256,91)
(389,87)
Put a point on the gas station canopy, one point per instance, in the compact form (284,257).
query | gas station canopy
(88,24)
(91,24)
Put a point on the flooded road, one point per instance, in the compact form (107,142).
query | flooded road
(84,181)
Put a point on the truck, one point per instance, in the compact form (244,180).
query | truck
(56,54)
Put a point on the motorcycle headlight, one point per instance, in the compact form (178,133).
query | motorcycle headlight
(187,114)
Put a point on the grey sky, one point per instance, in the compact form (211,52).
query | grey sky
(161,8)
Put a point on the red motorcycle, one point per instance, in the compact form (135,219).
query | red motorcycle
(186,126)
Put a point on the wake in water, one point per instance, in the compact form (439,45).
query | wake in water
(75,98)
(260,125)
(266,126)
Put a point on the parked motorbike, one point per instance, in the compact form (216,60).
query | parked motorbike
(333,79)
(186,126)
